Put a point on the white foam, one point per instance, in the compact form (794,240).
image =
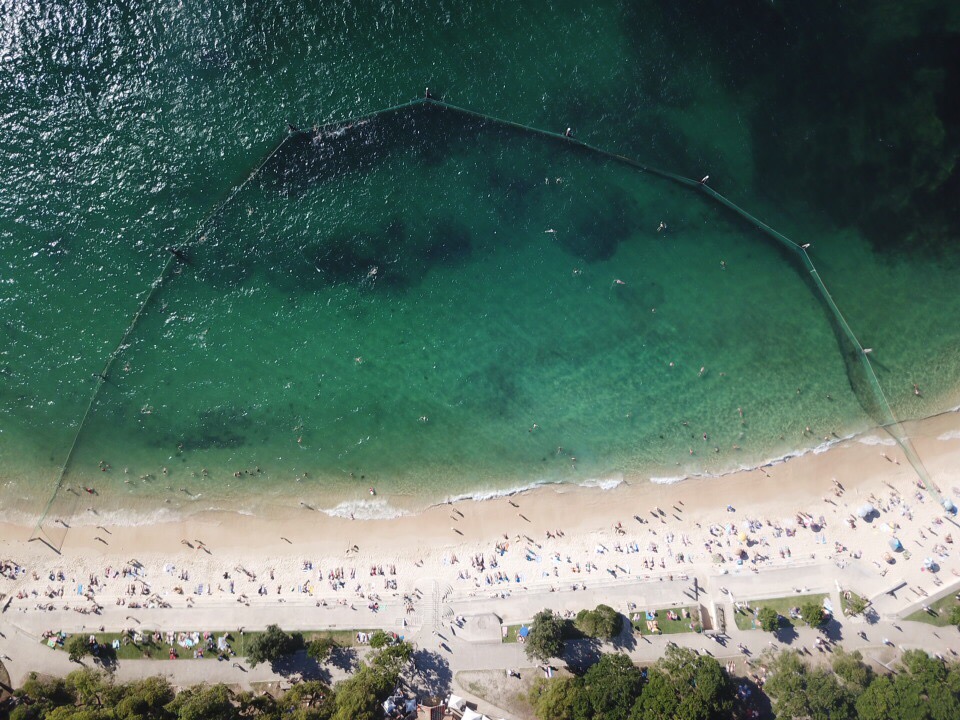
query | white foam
(949,435)
(874,440)
(607,483)
(378,509)
(668,480)
(500,493)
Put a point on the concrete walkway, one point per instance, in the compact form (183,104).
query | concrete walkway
(432,630)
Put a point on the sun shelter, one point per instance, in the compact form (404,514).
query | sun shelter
(523,631)
(469,714)
(894,544)
(455,702)
(866,510)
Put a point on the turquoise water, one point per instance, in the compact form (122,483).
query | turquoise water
(421,303)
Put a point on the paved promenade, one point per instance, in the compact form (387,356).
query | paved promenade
(475,645)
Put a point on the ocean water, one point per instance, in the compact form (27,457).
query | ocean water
(434,306)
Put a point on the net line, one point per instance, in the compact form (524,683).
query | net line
(889,422)
(39,531)
(101,377)
(892,425)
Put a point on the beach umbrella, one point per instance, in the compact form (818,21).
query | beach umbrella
(949,506)
(865,510)
(742,536)
(894,544)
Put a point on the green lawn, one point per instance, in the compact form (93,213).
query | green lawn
(745,620)
(941,615)
(238,642)
(667,626)
(844,603)
(511,636)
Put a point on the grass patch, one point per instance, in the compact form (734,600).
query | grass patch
(512,634)
(746,620)
(845,603)
(569,632)
(941,612)
(148,649)
(666,625)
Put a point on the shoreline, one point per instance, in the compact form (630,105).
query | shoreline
(851,460)
(383,507)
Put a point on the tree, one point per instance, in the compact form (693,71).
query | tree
(603,623)
(611,686)
(684,684)
(954,616)
(812,614)
(850,669)
(271,645)
(202,702)
(802,693)
(392,659)
(561,698)
(856,605)
(321,648)
(78,648)
(359,697)
(879,701)
(769,619)
(309,700)
(545,640)
(379,639)
(143,700)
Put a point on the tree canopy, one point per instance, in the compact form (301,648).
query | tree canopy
(603,622)
(769,619)
(545,639)
(271,645)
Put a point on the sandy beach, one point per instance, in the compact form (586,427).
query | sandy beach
(800,511)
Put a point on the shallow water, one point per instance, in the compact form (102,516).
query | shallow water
(492,352)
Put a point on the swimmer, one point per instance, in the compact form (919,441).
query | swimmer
(916,390)
(740,411)
(723,264)
(805,246)
(577,271)
(703,369)
(372,273)
(533,427)
(373,491)
(663,226)
(568,133)
(550,231)
(424,418)
(618,281)
(703,180)
(358,359)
